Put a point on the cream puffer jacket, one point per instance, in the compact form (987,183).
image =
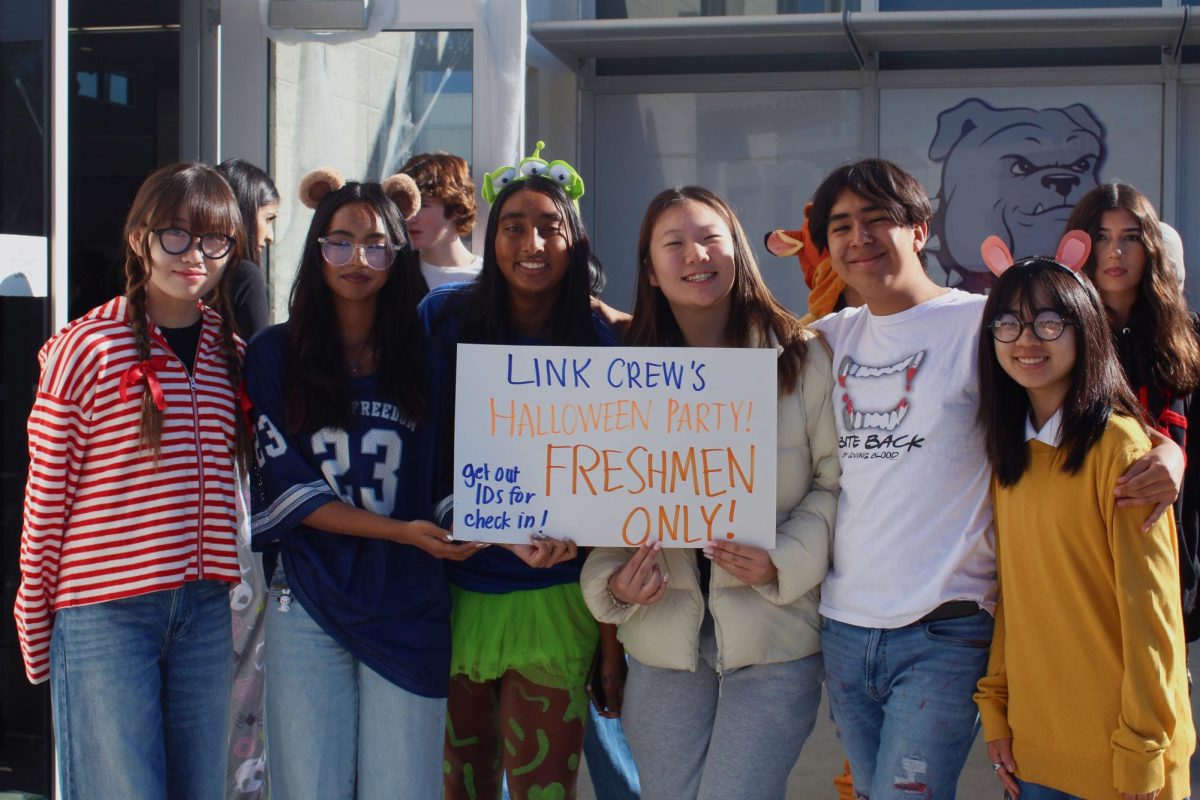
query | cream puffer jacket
(764,624)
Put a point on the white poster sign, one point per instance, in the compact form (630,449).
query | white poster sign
(24,266)
(615,446)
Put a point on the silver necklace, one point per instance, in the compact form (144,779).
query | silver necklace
(355,365)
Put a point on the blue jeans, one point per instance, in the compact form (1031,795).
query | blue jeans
(902,702)
(336,730)
(140,692)
(1036,791)
(609,762)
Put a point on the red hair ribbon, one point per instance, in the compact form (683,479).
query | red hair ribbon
(146,371)
(246,405)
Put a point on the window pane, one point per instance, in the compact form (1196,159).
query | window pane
(644,9)
(1014,160)
(118,89)
(363,107)
(763,151)
(25,129)
(982,5)
(24,51)
(1187,217)
(124,124)
(88,83)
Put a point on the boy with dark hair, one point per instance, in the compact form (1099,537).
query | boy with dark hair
(892,190)
(908,601)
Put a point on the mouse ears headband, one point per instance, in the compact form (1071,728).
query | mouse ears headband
(559,172)
(399,187)
(1073,251)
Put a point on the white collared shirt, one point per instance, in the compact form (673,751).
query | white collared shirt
(1051,432)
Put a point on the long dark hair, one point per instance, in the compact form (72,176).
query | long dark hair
(253,189)
(754,313)
(316,386)
(210,207)
(484,312)
(1166,339)
(1097,388)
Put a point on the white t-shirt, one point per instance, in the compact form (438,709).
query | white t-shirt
(914,525)
(436,276)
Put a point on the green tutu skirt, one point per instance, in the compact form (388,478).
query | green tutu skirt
(547,635)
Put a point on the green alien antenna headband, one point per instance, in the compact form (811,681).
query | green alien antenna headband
(560,172)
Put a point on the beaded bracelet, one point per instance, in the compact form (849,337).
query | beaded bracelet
(612,598)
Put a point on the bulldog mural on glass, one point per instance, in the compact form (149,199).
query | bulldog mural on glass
(1014,160)
(1014,171)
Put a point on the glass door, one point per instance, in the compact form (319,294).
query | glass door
(25,130)
(124,123)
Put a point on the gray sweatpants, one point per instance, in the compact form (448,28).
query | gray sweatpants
(696,736)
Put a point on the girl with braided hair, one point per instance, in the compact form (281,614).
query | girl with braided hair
(128,546)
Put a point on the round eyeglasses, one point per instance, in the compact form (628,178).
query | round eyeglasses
(340,252)
(178,241)
(1047,326)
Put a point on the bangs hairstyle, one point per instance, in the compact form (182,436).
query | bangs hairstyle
(1097,389)
(754,315)
(199,193)
(446,177)
(316,387)
(1165,335)
(485,315)
(253,189)
(898,195)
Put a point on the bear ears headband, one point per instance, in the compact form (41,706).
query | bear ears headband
(1073,251)
(560,172)
(323,180)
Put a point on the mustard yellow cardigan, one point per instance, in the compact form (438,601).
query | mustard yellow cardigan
(1088,671)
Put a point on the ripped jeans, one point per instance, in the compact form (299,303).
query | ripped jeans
(902,702)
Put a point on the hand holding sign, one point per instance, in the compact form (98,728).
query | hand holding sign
(438,542)
(639,581)
(542,551)
(749,564)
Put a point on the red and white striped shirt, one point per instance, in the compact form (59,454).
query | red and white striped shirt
(103,520)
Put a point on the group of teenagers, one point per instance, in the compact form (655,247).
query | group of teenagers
(984,510)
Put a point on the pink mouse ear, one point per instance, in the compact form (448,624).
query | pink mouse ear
(1074,249)
(996,255)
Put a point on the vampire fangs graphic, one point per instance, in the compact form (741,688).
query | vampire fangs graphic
(853,379)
